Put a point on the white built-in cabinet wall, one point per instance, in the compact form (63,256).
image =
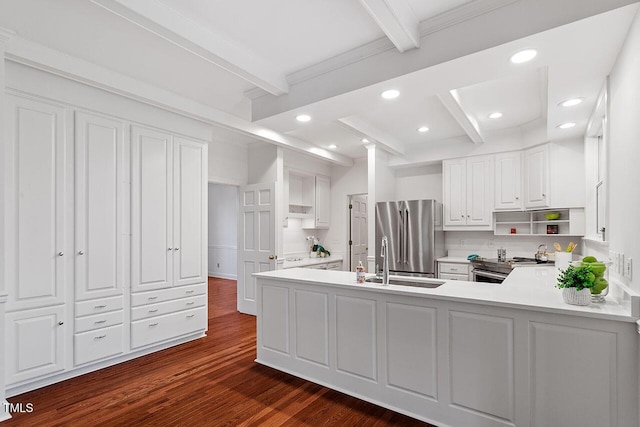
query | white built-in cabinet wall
(107,235)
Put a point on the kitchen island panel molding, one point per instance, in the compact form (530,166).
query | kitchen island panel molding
(434,357)
(275,308)
(411,341)
(312,326)
(481,355)
(577,362)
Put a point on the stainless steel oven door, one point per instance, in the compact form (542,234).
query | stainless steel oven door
(488,276)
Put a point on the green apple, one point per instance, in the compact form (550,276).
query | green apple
(600,285)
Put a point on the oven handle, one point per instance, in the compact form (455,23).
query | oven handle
(489,274)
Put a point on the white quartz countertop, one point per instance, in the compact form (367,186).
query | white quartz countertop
(530,288)
(305,261)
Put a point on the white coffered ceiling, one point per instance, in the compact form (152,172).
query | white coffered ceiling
(266,62)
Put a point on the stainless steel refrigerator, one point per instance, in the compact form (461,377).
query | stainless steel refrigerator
(414,231)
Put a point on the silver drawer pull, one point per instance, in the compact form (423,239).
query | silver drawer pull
(97,322)
(153,311)
(153,297)
(153,324)
(454,269)
(189,316)
(99,337)
(191,303)
(190,291)
(100,306)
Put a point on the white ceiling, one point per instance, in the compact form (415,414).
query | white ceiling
(225,53)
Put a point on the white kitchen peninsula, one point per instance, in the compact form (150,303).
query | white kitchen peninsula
(462,354)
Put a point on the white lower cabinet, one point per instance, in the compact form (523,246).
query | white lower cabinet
(35,343)
(454,270)
(98,344)
(162,328)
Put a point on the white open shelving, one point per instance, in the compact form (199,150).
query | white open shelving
(534,223)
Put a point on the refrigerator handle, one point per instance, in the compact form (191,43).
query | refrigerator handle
(406,225)
(400,231)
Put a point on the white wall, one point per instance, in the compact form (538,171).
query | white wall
(624,153)
(424,182)
(223,231)
(567,173)
(228,163)
(262,163)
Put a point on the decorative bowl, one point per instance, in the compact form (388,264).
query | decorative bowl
(552,216)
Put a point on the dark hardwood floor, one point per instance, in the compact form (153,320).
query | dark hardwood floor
(212,381)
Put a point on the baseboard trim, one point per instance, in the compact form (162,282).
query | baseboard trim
(223,276)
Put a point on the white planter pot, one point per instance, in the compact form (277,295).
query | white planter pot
(581,297)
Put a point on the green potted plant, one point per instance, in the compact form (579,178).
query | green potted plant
(576,283)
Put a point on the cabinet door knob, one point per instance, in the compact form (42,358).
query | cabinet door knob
(169,249)
(544,195)
(61,323)
(462,216)
(517,198)
(80,252)
(468,216)
(60,253)
(176,249)
(271,257)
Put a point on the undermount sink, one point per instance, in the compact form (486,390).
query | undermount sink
(423,283)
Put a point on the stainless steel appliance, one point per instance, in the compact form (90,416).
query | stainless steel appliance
(494,270)
(415,237)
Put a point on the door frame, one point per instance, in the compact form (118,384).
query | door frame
(348,227)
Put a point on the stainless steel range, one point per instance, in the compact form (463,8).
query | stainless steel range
(490,270)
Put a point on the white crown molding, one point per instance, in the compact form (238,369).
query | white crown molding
(216,48)
(255,92)
(342,60)
(397,20)
(6,34)
(460,14)
(439,22)
(52,61)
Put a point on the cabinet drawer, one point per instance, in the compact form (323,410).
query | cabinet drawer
(160,295)
(89,323)
(98,344)
(161,328)
(101,305)
(316,266)
(449,276)
(450,267)
(335,265)
(159,309)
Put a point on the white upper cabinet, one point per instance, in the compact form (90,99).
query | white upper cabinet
(508,181)
(101,206)
(189,212)
(468,193)
(152,213)
(323,201)
(168,194)
(39,194)
(536,167)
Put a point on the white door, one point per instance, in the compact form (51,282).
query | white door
(479,190)
(508,181)
(537,177)
(256,240)
(39,192)
(34,343)
(101,171)
(151,210)
(359,237)
(455,192)
(189,212)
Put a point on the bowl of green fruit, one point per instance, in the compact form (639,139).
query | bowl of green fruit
(600,286)
(552,216)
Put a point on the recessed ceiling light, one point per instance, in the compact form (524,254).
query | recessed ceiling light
(566,125)
(571,102)
(390,94)
(333,146)
(364,140)
(423,129)
(524,56)
(495,115)
(303,118)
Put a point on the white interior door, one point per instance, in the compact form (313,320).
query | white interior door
(256,240)
(359,237)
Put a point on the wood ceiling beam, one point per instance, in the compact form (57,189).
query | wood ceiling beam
(214,47)
(373,134)
(397,20)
